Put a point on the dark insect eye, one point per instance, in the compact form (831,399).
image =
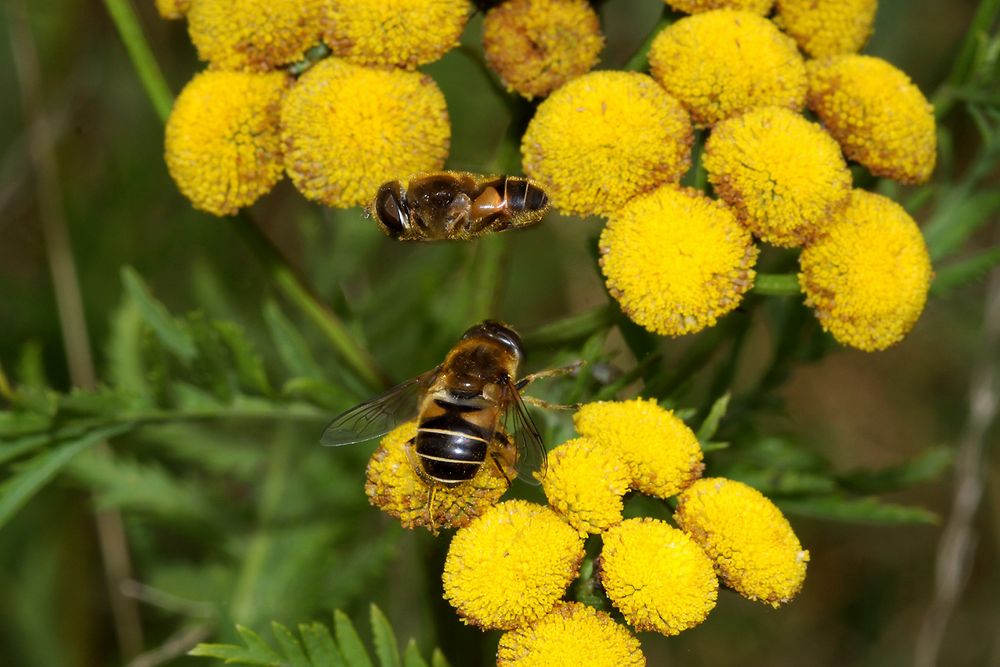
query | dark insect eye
(391,210)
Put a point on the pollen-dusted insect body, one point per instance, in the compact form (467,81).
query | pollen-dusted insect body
(455,205)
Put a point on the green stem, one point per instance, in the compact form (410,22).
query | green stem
(961,69)
(573,327)
(487,268)
(637,62)
(777,284)
(142,57)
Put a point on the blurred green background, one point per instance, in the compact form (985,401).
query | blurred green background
(245,519)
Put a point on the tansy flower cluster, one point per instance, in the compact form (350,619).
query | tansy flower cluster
(616,144)
(510,564)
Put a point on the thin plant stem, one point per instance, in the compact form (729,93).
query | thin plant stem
(153,81)
(777,284)
(112,539)
(961,69)
(637,62)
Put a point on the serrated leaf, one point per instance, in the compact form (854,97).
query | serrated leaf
(320,645)
(961,215)
(710,426)
(412,657)
(30,477)
(233,655)
(290,344)
(249,365)
(351,647)
(384,639)
(318,392)
(290,646)
(256,644)
(170,332)
(438,659)
(924,468)
(124,350)
(857,510)
(965,271)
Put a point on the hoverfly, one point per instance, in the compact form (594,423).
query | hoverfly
(456,205)
(463,407)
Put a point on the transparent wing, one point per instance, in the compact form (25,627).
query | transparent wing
(531,454)
(375,418)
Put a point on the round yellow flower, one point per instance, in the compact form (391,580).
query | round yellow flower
(397,489)
(571,632)
(585,483)
(510,566)
(348,129)
(605,137)
(535,46)
(755,551)
(656,576)
(173,9)
(254,34)
(868,277)
(827,27)
(761,7)
(222,143)
(724,62)
(676,260)
(876,114)
(663,455)
(784,176)
(394,33)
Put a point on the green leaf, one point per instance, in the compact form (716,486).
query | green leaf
(412,657)
(965,271)
(291,346)
(290,646)
(925,468)
(715,414)
(30,477)
(350,644)
(168,330)
(319,644)
(384,638)
(960,216)
(438,659)
(249,366)
(857,510)
(256,651)
(124,350)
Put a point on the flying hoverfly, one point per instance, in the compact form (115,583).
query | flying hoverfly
(456,205)
(463,408)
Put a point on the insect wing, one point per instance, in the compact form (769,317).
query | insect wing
(375,418)
(531,455)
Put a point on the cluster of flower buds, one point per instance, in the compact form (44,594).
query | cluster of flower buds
(510,563)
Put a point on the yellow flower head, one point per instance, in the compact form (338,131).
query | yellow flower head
(222,143)
(510,566)
(348,129)
(394,33)
(570,634)
(584,483)
(656,576)
(827,27)
(746,535)
(761,7)
(676,260)
(661,452)
(876,114)
(868,277)
(535,46)
(173,9)
(397,489)
(605,137)
(783,175)
(724,62)
(254,34)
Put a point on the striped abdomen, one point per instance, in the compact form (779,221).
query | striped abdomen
(451,446)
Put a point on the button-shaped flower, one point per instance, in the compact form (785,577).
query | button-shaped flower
(397,489)
(724,62)
(784,176)
(569,634)
(535,46)
(348,129)
(661,452)
(510,566)
(605,137)
(585,482)
(222,144)
(394,33)
(754,549)
(868,277)
(876,114)
(827,27)
(676,260)
(254,34)
(656,576)
(761,7)
(173,9)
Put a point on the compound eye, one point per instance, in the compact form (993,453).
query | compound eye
(390,209)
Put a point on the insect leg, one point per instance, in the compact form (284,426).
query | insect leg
(539,403)
(496,462)
(552,372)
(431,490)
